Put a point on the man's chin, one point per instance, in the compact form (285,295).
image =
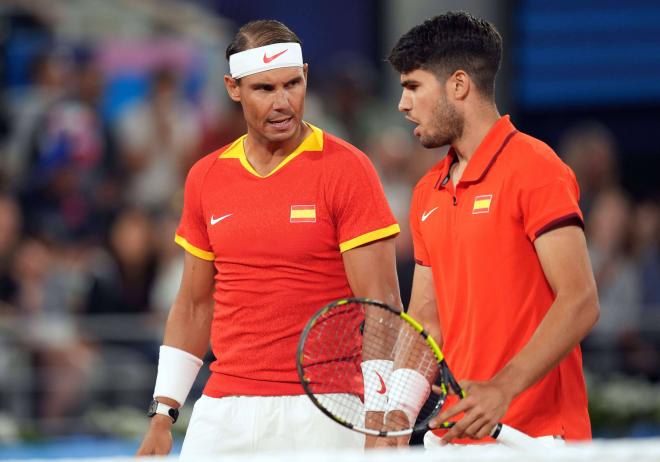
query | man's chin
(431,143)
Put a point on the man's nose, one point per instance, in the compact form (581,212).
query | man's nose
(404,103)
(281,100)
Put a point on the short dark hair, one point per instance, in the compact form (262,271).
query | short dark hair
(260,33)
(449,42)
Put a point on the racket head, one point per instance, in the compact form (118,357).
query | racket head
(333,345)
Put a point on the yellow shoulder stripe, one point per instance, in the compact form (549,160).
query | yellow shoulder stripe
(199,253)
(369,237)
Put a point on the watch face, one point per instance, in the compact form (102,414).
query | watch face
(152,408)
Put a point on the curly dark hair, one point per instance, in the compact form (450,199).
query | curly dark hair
(449,42)
(260,33)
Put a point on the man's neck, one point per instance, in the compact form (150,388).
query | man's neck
(265,156)
(477,126)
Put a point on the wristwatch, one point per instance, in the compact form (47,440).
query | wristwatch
(156,407)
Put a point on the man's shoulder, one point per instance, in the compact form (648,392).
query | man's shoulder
(529,155)
(202,166)
(338,148)
(341,157)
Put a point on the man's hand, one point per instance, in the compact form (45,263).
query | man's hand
(484,406)
(394,420)
(158,440)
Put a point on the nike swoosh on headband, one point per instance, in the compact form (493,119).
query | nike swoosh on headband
(268,59)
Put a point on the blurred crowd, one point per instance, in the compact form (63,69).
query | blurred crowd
(96,138)
(623,237)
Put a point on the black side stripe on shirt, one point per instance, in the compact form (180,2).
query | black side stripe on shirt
(572,219)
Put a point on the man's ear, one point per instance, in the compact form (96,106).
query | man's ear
(459,85)
(233,88)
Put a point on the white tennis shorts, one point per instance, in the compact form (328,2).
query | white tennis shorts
(262,424)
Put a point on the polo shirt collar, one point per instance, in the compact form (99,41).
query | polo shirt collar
(445,164)
(490,147)
(313,142)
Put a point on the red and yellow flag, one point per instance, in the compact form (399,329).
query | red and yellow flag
(303,214)
(482,204)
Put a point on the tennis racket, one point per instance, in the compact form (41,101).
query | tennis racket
(343,335)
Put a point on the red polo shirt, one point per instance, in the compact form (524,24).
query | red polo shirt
(490,287)
(277,242)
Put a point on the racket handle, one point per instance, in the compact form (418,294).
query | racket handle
(516,439)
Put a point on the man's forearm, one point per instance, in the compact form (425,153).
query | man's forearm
(188,327)
(566,323)
(186,340)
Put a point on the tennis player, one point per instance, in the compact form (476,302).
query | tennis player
(502,276)
(275,225)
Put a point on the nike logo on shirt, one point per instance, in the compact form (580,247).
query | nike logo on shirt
(216,220)
(425,215)
(268,59)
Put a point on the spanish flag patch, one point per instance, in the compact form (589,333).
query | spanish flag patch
(482,204)
(303,214)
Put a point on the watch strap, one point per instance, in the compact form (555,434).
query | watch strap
(157,407)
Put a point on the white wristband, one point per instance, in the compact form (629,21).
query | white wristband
(408,391)
(177,370)
(376,374)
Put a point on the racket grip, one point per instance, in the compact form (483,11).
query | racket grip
(515,439)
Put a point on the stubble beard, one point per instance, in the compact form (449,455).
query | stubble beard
(447,126)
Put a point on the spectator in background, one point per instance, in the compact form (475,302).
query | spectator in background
(617,278)
(590,150)
(641,348)
(623,247)
(120,284)
(130,268)
(102,183)
(27,108)
(159,142)
(45,287)
(22,23)
(73,156)
(647,250)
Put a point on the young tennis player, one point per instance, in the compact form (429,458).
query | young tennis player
(502,279)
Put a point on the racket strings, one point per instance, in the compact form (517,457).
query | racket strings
(342,338)
(331,360)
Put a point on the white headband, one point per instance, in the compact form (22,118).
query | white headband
(265,58)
